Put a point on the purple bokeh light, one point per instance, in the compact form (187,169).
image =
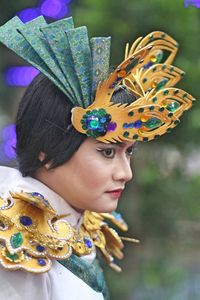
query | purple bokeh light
(54,9)
(29,14)
(8,132)
(9,150)
(20,76)
(9,141)
(195,3)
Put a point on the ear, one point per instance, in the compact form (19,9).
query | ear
(41,157)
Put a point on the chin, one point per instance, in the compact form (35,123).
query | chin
(106,208)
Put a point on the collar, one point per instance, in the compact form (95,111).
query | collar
(13,181)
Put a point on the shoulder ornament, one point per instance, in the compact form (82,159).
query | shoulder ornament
(32,234)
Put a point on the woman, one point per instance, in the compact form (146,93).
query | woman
(75,139)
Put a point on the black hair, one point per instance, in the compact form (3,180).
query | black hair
(43,124)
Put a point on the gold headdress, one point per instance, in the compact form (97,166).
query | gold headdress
(158,105)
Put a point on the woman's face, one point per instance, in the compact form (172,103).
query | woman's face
(94,178)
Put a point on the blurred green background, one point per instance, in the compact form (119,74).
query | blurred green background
(161,204)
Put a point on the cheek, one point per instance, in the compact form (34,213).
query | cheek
(92,173)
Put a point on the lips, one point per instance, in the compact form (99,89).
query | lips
(115,194)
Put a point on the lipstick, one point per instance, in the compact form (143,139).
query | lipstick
(115,194)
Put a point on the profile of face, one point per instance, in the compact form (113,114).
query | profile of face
(95,176)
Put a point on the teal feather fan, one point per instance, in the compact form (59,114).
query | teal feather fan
(61,52)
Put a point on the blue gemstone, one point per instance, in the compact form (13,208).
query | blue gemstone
(26,221)
(88,243)
(138,124)
(148,65)
(41,262)
(35,194)
(40,248)
(103,120)
(118,79)
(113,85)
(125,125)
(131,125)
(100,129)
(117,216)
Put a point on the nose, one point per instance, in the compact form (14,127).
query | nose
(122,171)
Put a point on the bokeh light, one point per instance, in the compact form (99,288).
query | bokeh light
(29,14)
(8,136)
(8,132)
(20,75)
(9,148)
(54,9)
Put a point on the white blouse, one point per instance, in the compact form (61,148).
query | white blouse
(57,284)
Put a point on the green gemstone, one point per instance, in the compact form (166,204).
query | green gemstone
(151,108)
(94,124)
(154,99)
(164,67)
(85,117)
(163,35)
(170,115)
(153,123)
(154,69)
(88,112)
(94,111)
(161,84)
(169,130)
(176,122)
(131,113)
(133,63)
(144,80)
(171,69)
(136,136)
(157,136)
(141,109)
(82,121)
(16,240)
(182,74)
(159,56)
(176,92)
(126,134)
(173,106)
(166,92)
(12,256)
(185,95)
(161,109)
(84,127)
(151,37)
(102,112)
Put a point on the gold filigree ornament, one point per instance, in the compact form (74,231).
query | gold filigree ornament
(105,238)
(148,74)
(32,234)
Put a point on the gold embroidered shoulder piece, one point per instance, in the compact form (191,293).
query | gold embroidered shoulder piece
(32,234)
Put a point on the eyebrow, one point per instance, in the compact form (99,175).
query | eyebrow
(119,144)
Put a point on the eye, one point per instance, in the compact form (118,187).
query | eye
(108,152)
(130,151)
